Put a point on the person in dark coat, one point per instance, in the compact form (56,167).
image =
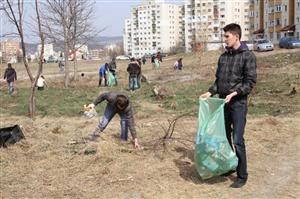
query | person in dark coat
(10,75)
(117,103)
(235,78)
(134,71)
(113,68)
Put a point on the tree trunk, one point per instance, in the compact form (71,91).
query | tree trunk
(32,101)
(75,68)
(39,71)
(25,60)
(67,75)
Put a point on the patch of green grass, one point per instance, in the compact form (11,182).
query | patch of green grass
(53,101)
(186,96)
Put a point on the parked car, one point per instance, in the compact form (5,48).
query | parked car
(122,57)
(287,42)
(263,45)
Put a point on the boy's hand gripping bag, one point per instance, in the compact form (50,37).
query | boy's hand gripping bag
(213,154)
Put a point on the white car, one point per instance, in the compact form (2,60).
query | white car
(263,45)
(122,57)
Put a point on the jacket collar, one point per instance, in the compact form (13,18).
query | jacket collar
(243,47)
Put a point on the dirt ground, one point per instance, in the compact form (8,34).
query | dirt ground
(55,162)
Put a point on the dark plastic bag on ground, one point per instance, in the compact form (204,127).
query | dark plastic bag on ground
(213,154)
(10,135)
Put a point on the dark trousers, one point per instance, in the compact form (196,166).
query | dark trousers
(235,121)
(100,80)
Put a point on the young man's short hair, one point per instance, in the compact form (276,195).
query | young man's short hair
(234,29)
(121,102)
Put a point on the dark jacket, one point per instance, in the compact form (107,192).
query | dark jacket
(10,75)
(111,98)
(133,68)
(236,72)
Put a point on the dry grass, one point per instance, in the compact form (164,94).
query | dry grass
(55,162)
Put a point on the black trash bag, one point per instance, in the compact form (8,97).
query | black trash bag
(10,135)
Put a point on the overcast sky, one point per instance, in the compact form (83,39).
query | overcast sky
(109,14)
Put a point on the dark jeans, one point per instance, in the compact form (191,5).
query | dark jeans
(100,80)
(235,121)
(40,88)
(126,122)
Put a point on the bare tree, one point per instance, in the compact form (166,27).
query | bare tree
(68,22)
(41,57)
(11,14)
(16,17)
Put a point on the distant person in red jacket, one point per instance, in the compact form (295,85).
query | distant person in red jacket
(158,57)
(10,75)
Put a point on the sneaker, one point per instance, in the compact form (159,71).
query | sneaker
(239,183)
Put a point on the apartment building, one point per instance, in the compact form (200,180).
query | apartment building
(10,51)
(127,37)
(273,19)
(48,50)
(154,26)
(204,20)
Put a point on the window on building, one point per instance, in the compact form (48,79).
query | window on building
(203,4)
(278,22)
(278,8)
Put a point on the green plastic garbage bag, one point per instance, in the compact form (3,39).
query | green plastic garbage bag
(213,154)
(111,79)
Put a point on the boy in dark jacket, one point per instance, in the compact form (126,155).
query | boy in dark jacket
(235,78)
(112,68)
(10,75)
(117,102)
(134,71)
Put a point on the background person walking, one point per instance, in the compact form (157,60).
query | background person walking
(10,75)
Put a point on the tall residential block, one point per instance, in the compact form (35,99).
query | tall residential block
(273,19)
(154,26)
(205,19)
